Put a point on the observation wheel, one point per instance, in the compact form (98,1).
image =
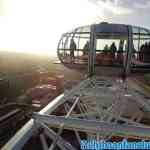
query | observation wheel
(103,106)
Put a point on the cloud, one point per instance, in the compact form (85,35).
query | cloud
(138,4)
(114,7)
(135,12)
(122,7)
(144,5)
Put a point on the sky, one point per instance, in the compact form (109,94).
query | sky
(136,12)
(36,25)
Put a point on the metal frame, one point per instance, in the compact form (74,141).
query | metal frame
(100,101)
(96,107)
(91,60)
(94,126)
(22,136)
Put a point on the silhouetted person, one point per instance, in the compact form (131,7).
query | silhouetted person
(146,47)
(147,52)
(149,47)
(142,48)
(86,48)
(72,49)
(133,55)
(113,47)
(141,52)
(106,48)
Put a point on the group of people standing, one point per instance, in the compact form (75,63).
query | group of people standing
(144,53)
(145,48)
(73,47)
(112,47)
(86,47)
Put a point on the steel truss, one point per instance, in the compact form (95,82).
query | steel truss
(99,107)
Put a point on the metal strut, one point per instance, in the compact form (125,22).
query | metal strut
(94,126)
(100,107)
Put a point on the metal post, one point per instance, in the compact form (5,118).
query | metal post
(129,51)
(91,59)
(43,141)
(61,143)
(53,145)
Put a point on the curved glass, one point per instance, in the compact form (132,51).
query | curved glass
(141,49)
(72,47)
(113,46)
(110,47)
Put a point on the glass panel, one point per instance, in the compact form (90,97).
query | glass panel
(83,50)
(144,31)
(78,30)
(86,29)
(110,53)
(136,36)
(85,35)
(141,55)
(67,42)
(136,45)
(73,48)
(141,49)
(60,46)
(101,43)
(82,43)
(83,29)
(135,30)
(71,56)
(145,37)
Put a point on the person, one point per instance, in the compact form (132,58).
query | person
(86,48)
(141,53)
(121,45)
(72,49)
(133,56)
(106,48)
(147,53)
(113,47)
(133,50)
(148,47)
(142,48)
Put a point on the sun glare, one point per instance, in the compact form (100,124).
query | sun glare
(36,25)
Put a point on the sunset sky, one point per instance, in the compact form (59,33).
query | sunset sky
(36,25)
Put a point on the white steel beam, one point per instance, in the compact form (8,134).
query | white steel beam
(24,134)
(94,126)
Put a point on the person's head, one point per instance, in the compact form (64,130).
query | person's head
(106,46)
